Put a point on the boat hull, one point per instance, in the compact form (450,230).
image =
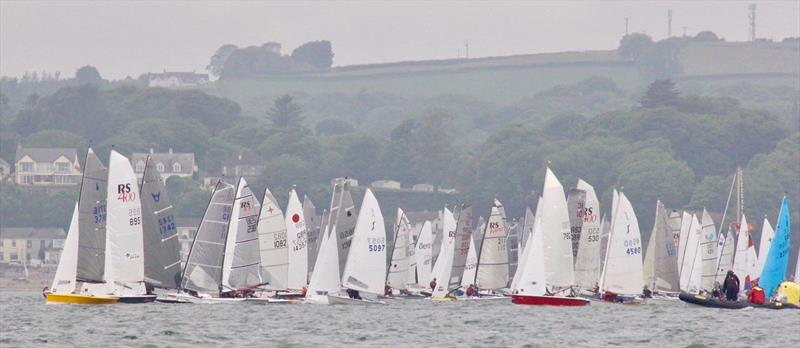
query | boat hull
(533,300)
(137,299)
(711,302)
(81,299)
(336,299)
(266,300)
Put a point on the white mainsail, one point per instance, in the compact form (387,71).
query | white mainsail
(691,270)
(398,266)
(470,266)
(725,262)
(314,231)
(622,272)
(686,222)
(492,257)
(325,278)
(527,230)
(708,250)
(535,226)
(365,269)
(443,267)
(532,278)
(124,235)
(64,281)
(767,234)
(343,215)
(587,264)
(740,257)
(422,253)
(296,233)
(241,262)
(556,234)
(663,273)
(273,244)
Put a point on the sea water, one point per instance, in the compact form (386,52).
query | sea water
(27,321)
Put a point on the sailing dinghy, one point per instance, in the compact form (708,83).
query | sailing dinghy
(622,278)
(63,288)
(365,268)
(547,272)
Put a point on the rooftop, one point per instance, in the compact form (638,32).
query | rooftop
(46,154)
(32,233)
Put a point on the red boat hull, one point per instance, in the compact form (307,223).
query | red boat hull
(549,301)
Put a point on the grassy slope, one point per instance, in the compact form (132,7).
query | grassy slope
(503,80)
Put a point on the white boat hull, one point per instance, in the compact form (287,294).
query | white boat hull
(338,299)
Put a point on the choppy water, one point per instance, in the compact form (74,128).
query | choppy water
(28,322)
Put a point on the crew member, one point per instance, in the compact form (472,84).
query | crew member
(756,295)
(433,284)
(731,286)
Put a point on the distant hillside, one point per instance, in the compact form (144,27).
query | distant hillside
(503,80)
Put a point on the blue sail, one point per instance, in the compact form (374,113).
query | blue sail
(778,256)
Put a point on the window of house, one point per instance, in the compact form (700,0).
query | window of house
(2,257)
(58,179)
(44,167)
(13,243)
(29,244)
(176,167)
(13,257)
(26,167)
(62,167)
(160,167)
(140,167)
(26,179)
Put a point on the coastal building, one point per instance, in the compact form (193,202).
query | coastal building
(386,184)
(422,188)
(418,218)
(168,164)
(47,167)
(350,181)
(176,79)
(187,229)
(247,164)
(31,246)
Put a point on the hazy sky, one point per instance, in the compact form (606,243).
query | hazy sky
(131,38)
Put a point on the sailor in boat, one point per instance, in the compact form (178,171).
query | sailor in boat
(353,294)
(433,284)
(471,290)
(646,292)
(387,291)
(716,292)
(756,294)
(731,286)
(45,291)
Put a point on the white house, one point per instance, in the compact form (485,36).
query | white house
(180,164)
(386,184)
(47,167)
(169,79)
(423,188)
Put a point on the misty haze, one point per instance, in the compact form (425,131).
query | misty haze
(443,173)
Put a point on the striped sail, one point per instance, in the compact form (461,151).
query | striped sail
(162,259)
(241,263)
(587,263)
(92,221)
(398,266)
(203,271)
(273,244)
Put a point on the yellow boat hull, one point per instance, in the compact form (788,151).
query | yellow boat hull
(81,299)
(443,299)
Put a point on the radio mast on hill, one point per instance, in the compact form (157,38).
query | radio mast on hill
(752,16)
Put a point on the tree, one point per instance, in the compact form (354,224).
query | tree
(285,113)
(317,54)
(88,74)
(332,126)
(217,62)
(706,36)
(632,46)
(660,93)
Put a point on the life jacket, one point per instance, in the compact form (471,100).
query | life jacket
(756,295)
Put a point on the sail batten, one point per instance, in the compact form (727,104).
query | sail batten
(162,263)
